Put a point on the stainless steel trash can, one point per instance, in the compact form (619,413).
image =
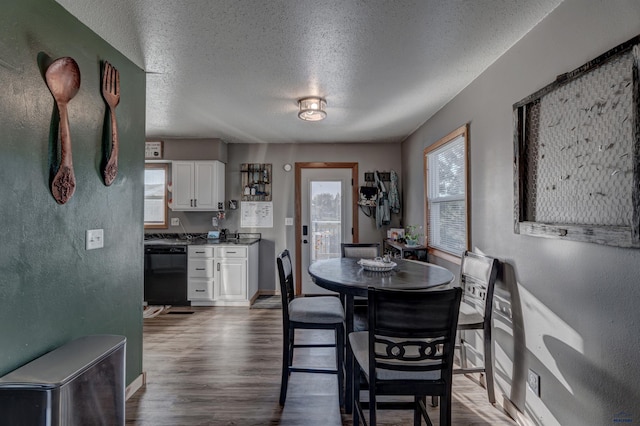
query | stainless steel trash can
(80,383)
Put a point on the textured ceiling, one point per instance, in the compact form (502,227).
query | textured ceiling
(234,69)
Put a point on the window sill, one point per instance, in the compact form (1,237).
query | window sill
(444,255)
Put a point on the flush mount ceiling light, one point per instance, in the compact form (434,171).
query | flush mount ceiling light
(312,109)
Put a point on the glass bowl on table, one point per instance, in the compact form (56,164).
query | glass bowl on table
(378,264)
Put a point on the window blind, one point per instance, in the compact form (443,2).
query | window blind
(446,190)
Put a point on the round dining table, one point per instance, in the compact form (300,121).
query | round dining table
(348,278)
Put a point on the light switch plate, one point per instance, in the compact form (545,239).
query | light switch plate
(175,221)
(94,239)
(533,382)
(288,221)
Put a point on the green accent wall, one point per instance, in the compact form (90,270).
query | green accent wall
(52,290)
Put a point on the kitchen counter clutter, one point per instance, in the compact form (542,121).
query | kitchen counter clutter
(200,239)
(219,272)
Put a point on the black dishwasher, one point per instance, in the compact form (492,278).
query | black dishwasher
(165,274)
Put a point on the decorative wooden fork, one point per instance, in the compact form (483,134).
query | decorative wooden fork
(111,94)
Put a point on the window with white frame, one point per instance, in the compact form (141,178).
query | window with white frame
(155,196)
(445,165)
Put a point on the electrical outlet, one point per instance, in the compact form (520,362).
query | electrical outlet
(94,239)
(533,382)
(175,221)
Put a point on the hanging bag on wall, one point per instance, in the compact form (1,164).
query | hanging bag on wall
(368,196)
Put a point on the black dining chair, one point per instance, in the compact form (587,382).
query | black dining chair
(408,350)
(323,312)
(478,274)
(360,250)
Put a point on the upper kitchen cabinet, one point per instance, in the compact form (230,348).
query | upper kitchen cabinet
(197,186)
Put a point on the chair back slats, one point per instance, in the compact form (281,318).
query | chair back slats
(415,354)
(478,274)
(413,330)
(477,267)
(360,250)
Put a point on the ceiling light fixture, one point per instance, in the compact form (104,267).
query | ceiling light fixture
(312,109)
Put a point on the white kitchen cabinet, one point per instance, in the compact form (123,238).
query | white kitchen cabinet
(201,275)
(236,274)
(223,274)
(232,279)
(197,185)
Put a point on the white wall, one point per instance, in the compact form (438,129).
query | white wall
(575,305)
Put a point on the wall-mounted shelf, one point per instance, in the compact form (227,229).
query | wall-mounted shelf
(384,176)
(256,182)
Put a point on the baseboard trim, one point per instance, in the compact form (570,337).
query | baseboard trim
(267,292)
(517,415)
(137,383)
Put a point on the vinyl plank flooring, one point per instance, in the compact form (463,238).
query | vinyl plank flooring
(221,366)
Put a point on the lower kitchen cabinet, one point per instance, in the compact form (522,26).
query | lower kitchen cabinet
(232,279)
(201,279)
(223,275)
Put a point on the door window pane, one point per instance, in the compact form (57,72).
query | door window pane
(326,219)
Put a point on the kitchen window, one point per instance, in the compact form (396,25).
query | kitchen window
(155,196)
(447,206)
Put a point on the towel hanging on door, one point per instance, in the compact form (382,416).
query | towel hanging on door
(394,196)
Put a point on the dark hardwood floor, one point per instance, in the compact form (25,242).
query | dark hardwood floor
(221,366)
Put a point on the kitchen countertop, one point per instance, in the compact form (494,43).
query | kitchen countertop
(237,241)
(174,239)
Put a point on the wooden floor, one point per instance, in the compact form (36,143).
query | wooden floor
(221,366)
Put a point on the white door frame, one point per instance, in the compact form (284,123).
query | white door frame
(298,219)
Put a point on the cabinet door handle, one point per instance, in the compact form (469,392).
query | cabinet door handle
(218,266)
(200,252)
(195,203)
(231,252)
(201,269)
(199,291)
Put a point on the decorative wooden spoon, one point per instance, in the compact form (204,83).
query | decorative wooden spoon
(63,80)
(111,94)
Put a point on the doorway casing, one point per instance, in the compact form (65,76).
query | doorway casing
(298,207)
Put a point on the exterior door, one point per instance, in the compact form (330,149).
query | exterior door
(326,218)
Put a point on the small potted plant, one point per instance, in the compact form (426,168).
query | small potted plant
(413,235)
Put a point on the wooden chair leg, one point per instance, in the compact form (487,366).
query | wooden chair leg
(292,342)
(488,366)
(434,401)
(445,409)
(463,350)
(356,397)
(417,414)
(287,350)
(372,405)
(340,362)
